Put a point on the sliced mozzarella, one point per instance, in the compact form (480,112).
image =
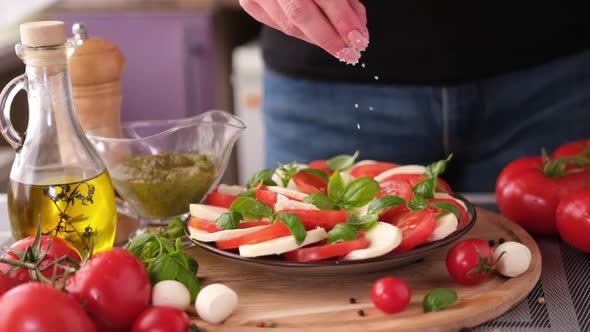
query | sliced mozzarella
(276,177)
(406,169)
(203,236)
(346,177)
(383,237)
(361,211)
(364,162)
(446,224)
(283,203)
(207,212)
(515,260)
(288,192)
(215,303)
(230,190)
(445,195)
(282,244)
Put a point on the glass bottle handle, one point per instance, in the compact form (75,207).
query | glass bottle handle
(6,97)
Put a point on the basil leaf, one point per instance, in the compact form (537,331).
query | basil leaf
(175,229)
(417,203)
(447,207)
(262,177)
(321,201)
(426,188)
(249,207)
(439,299)
(335,187)
(295,225)
(342,232)
(317,172)
(229,220)
(437,168)
(138,244)
(174,267)
(385,202)
(360,192)
(364,222)
(341,162)
(248,193)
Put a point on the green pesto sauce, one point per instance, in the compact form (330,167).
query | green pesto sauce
(161,186)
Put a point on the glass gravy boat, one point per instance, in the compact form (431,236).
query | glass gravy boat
(160,167)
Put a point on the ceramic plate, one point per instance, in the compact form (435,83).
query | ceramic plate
(334,267)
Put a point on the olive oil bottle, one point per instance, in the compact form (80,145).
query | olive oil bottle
(57,179)
(80,212)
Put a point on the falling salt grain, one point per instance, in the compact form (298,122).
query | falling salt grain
(376,78)
(358,126)
(356,105)
(363,65)
(370,108)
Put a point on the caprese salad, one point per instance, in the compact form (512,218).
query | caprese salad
(337,208)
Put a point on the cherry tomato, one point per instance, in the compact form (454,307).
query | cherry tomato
(218,199)
(371,169)
(321,165)
(35,306)
(115,288)
(529,196)
(390,294)
(211,227)
(470,261)
(417,227)
(572,148)
(6,283)
(162,319)
(327,251)
(573,220)
(276,230)
(56,248)
(326,219)
(310,183)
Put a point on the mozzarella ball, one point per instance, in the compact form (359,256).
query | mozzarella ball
(215,303)
(171,293)
(515,260)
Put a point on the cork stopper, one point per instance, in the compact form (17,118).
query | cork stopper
(43,33)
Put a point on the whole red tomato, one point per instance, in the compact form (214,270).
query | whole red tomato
(115,288)
(470,261)
(38,307)
(6,283)
(390,294)
(162,319)
(529,189)
(56,248)
(572,148)
(573,220)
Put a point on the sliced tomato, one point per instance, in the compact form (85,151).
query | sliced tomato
(402,184)
(417,227)
(211,227)
(321,165)
(464,215)
(267,197)
(372,169)
(443,187)
(310,183)
(218,199)
(276,230)
(326,219)
(327,251)
(391,215)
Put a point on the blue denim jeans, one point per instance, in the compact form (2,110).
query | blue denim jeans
(485,124)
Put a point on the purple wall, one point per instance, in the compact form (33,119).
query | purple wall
(169,68)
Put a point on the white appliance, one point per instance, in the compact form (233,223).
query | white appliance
(247,86)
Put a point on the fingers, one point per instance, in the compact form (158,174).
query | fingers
(315,25)
(345,20)
(361,12)
(275,12)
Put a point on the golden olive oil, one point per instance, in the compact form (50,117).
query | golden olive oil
(80,212)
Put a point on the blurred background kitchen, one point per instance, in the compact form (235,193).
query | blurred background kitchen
(182,57)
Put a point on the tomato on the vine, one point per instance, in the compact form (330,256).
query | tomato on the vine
(529,189)
(115,288)
(470,261)
(162,319)
(390,294)
(54,248)
(36,306)
(6,283)
(573,220)
(572,148)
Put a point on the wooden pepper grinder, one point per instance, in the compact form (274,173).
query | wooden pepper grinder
(95,71)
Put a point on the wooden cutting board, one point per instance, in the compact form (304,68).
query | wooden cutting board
(323,303)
